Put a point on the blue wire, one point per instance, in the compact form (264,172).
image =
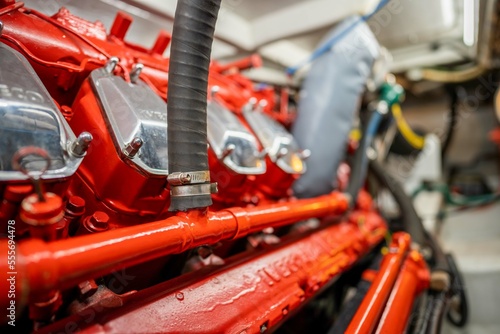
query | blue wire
(360,166)
(335,39)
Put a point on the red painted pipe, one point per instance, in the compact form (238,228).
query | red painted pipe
(242,64)
(43,267)
(413,279)
(368,314)
(250,295)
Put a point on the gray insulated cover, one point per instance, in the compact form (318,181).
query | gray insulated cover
(330,97)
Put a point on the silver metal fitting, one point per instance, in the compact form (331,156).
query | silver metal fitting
(262,154)
(180,178)
(193,190)
(371,153)
(304,154)
(382,107)
(213,91)
(228,150)
(136,72)
(1,28)
(111,64)
(79,147)
(282,152)
(131,149)
(251,104)
(262,104)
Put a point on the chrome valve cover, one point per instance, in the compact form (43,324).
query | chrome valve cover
(233,144)
(280,145)
(29,117)
(137,120)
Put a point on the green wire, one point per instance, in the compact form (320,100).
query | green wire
(458,200)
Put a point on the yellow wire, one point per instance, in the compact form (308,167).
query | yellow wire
(415,140)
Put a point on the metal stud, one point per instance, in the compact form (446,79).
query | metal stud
(80,146)
(131,149)
(213,91)
(228,150)
(136,72)
(111,64)
(304,154)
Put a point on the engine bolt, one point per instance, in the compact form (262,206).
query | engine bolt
(88,288)
(98,222)
(75,208)
(81,144)
(133,147)
(204,252)
(111,64)
(136,72)
(213,91)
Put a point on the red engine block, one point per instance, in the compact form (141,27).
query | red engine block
(120,215)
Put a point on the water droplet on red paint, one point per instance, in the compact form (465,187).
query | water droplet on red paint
(179,296)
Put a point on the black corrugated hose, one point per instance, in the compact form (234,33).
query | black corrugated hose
(436,307)
(191,48)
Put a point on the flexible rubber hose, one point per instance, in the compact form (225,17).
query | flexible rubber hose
(431,318)
(458,288)
(191,48)
(452,121)
(360,164)
(456,76)
(411,221)
(414,139)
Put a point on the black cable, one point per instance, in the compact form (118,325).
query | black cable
(459,317)
(452,120)
(412,223)
(434,310)
(350,307)
(360,164)
(431,318)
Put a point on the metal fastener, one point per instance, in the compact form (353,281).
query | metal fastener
(131,149)
(98,222)
(111,64)
(80,146)
(136,72)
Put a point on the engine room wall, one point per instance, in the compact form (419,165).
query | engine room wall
(476,119)
(474,236)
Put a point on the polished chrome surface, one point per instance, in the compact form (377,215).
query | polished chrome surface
(233,144)
(29,117)
(80,146)
(192,190)
(134,112)
(280,145)
(180,178)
